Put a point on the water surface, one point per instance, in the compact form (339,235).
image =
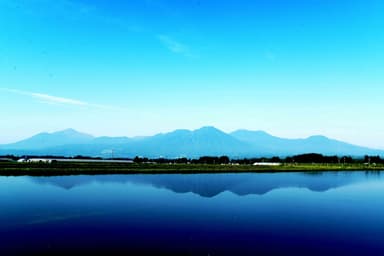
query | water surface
(197,214)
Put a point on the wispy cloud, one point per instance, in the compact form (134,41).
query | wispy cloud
(50,99)
(75,10)
(175,46)
(47,98)
(60,100)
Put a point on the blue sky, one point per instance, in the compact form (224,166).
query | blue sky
(292,68)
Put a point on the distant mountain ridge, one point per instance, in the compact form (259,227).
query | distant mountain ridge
(45,140)
(205,141)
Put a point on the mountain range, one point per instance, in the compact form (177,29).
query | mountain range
(206,141)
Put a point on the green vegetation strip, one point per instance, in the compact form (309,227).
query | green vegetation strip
(75,168)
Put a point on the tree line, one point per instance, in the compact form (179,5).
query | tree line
(302,158)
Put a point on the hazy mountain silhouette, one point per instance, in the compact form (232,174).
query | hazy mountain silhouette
(182,143)
(46,140)
(268,144)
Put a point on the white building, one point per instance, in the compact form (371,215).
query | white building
(266,164)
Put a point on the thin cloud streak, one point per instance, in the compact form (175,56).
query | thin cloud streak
(60,100)
(50,99)
(175,46)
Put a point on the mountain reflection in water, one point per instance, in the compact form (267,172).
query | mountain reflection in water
(210,185)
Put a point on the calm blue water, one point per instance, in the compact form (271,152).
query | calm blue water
(202,214)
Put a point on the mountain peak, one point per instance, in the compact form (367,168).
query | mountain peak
(318,137)
(67,131)
(244,132)
(208,129)
(70,132)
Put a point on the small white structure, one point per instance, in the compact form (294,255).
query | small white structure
(266,164)
(22,160)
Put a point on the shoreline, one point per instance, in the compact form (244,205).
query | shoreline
(89,168)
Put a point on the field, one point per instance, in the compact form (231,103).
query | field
(76,168)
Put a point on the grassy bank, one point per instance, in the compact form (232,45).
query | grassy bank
(72,168)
